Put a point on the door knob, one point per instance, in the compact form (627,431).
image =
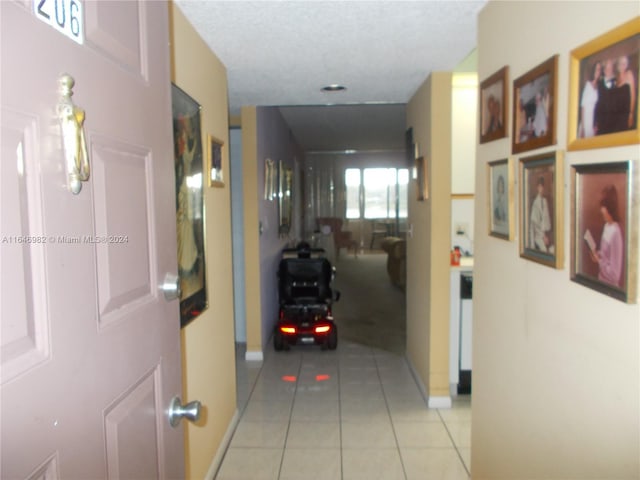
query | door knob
(190,411)
(171,287)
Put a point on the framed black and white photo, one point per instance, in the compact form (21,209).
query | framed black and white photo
(500,187)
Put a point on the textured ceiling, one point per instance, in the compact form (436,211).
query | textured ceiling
(281,53)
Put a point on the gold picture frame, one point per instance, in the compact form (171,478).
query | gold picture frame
(605,212)
(534,107)
(493,106)
(500,198)
(541,208)
(597,118)
(214,162)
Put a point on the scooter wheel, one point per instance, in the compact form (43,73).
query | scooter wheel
(332,338)
(278,342)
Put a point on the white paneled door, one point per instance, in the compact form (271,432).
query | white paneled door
(90,346)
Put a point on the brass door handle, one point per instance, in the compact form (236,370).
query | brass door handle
(74,144)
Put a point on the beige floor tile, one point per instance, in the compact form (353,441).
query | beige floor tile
(433,463)
(460,433)
(315,411)
(412,411)
(371,464)
(465,453)
(250,463)
(260,434)
(310,435)
(363,410)
(375,434)
(267,411)
(422,435)
(311,464)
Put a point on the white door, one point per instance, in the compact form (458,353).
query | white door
(90,347)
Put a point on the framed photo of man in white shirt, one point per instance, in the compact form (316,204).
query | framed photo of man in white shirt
(541,231)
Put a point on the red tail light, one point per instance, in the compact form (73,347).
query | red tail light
(288,329)
(323,329)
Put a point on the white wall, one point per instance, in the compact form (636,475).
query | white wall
(556,389)
(237,233)
(464,108)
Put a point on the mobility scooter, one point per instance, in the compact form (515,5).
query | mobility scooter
(305,297)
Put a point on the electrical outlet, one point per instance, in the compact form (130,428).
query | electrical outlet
(461,228)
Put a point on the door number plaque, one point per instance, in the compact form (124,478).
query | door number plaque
(64,15)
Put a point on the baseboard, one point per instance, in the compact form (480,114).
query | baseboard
(254,356)
(431,401)
(439,402)
(222,449)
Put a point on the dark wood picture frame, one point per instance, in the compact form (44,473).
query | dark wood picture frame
(493,106)
(534,107)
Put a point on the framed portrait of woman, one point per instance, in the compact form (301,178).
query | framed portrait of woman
(189,168)
(603,92)
(534,107)
(500,186)
(541,208)
(604,228)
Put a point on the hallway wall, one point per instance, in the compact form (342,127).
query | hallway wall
(556,377)
(208,341)
(429,114)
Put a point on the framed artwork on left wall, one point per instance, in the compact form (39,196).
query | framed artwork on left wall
(214,162)
(188,162)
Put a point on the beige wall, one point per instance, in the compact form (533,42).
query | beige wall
(208,341)
(556,366)
(429,114)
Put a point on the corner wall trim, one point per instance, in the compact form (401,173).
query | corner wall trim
(439,402)
(222,449)
(254,356)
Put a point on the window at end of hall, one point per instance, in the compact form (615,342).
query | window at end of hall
(376,192)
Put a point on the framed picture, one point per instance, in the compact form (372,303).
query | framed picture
(190,224)
(604,227)
(493,106)
(534,107)
(285,194)
(500,186)
(541,208)
(214,162)
(422,179)
(270,175)
(603,93)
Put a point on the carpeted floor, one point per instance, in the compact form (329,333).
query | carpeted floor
(371,310)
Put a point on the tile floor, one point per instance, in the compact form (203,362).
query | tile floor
(352,413)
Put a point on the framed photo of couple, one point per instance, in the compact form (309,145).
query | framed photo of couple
(500,190)
(541,208)
(604,227)
(603,91)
